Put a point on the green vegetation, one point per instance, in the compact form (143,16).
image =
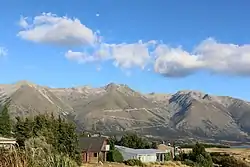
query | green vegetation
(56,131)
(114,156)
(44,141)
(49,141)
(205,145)
(197,157)
(132,140)
(167,157)
(5,122)
(225,160)
(134,162)
(200,158)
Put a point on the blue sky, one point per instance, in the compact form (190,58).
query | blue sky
(153,46)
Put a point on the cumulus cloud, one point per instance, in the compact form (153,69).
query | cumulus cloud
(80,57)
(3,51)
(130,55)
(209,55)
(123,55)
(52,29)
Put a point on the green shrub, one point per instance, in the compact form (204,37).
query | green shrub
(114,156)
(167,157)
(189,162)
(205,145)
(228,161)
(134,162)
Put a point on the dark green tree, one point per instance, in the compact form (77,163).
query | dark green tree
(112,142)
(154,145)
(132,140)
(58,132)
(200,156)
(5,122)
(114,156)
(23,130)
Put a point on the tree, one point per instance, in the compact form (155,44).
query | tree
(134,141)
(200,156)
(57,132)
(112,142)
(23,130)
(114,156)
(154,145)
(5,122)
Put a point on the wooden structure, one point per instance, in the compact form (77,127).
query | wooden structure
(94,149)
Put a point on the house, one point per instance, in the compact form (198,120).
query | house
(167,149)
(94,149)
(7,143)
(145,155)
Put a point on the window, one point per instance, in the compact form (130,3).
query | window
(95,154)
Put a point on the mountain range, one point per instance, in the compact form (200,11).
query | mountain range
(116,108)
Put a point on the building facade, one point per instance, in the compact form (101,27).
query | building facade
(94,149)
(145,155)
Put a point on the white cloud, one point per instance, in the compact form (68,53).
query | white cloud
(23,22)
(51,29)
(80,57)
(209,55)
(3,51)
(131,55)
(123,55)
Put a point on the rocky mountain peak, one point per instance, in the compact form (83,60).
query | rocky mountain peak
(24,82)
(193,94)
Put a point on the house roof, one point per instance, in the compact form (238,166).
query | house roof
(138,151)
(91,144)
(164,147)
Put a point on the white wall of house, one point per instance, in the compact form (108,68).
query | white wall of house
(145,155)
(147,158)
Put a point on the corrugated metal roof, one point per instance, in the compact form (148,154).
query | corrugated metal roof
(138,151)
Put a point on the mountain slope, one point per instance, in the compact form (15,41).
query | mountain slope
(117,108)
(28,99)
(203,115)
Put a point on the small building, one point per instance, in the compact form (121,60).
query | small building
(167,149)
(94,149)
(145,155)
(7,143)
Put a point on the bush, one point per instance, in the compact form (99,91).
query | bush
(205,145)
(198,157)
(134,162)
(114,156)
(189,162)
(228,161)
(219,154)
(167,157)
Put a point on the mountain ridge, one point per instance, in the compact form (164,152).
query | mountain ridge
(118,108)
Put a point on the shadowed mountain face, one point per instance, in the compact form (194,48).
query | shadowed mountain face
(117,108)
